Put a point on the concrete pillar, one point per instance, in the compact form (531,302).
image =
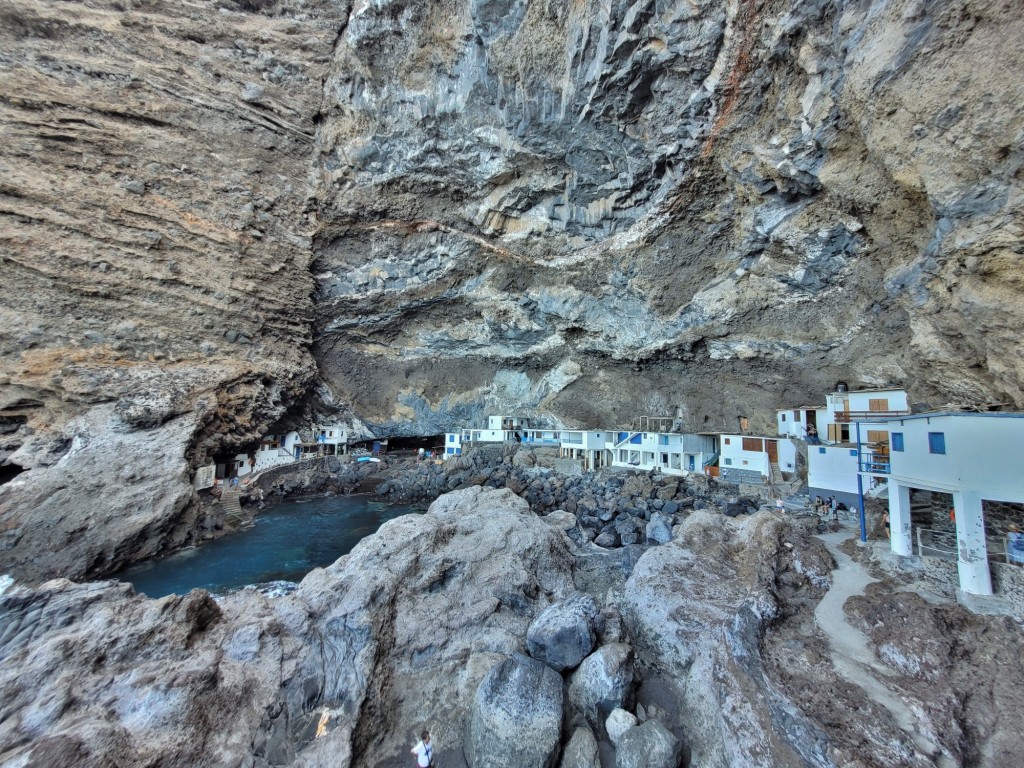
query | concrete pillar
(972,559)
(899,519)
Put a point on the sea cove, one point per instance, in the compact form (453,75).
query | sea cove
(285,542)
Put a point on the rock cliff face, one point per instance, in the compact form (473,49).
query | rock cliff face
(409,212)
(718,205)
(154,252)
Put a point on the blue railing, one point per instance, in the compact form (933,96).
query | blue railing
(873,463)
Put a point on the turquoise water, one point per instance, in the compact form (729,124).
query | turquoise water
(287,541)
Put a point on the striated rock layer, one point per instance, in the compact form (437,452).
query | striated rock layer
(600,209)
(411,213)
(154,253)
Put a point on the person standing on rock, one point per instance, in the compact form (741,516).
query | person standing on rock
(424,751)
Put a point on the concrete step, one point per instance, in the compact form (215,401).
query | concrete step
(229,499)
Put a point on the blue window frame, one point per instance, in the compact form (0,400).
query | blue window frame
(821,449)
(896,440)
(936,442)
(853,451)
(728,462)
(451,450)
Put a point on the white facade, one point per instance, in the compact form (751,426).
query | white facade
(507,423)
(668,452)
(585,445)
(452,445)
(276,450)
(974,457)
(843,408)
(832,471)
(793,422)
(754,453)
(333,436)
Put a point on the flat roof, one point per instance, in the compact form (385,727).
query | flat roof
(869,389)
(943,414)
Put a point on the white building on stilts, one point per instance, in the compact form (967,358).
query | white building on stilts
(974,457)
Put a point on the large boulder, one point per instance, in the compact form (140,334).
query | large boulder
(603,682)
(650,745)
(659,530)
(517,716)
(564,633)
(581,751)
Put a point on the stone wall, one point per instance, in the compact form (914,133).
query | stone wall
(740,476)
(1008,581)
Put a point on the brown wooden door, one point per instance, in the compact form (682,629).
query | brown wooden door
(772,449)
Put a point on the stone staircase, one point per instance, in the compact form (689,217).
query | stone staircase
(229,499)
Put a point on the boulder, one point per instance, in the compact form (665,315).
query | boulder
(603,682)
(618,722)
(564,633)
(650,745)
(517,716)
(606,539)
(581,751)
(659,530)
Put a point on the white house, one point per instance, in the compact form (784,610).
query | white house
(751,459)
(508,423)
(843,407)
(334,438)
(668,452)
(793,422)
(973,456)
(276,450)
(832,471)
(584,444)
(452,445)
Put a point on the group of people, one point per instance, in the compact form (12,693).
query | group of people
(831,504)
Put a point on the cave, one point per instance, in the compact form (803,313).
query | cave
(9,471)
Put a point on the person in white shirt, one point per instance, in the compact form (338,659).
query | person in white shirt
(424,751)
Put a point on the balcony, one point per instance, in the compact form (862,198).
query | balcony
(845,417)
(873,463)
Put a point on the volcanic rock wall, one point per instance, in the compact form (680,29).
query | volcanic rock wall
(154,252)
(602,209)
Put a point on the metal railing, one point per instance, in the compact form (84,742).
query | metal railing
(845,417)
(873,463)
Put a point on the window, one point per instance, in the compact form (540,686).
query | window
(796,415)
(853,451)
(896,440)
(821,449)
(878,404)
(664,458)
(451,438)
(451,450)
(727,442)
(753,444)
(728,462)
(662,439)
(936,442)
(783,417)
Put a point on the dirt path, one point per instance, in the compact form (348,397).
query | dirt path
(851,653)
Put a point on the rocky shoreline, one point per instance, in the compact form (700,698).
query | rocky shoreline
(513,637)
(613,508)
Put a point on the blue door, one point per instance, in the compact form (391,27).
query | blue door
(691,463)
